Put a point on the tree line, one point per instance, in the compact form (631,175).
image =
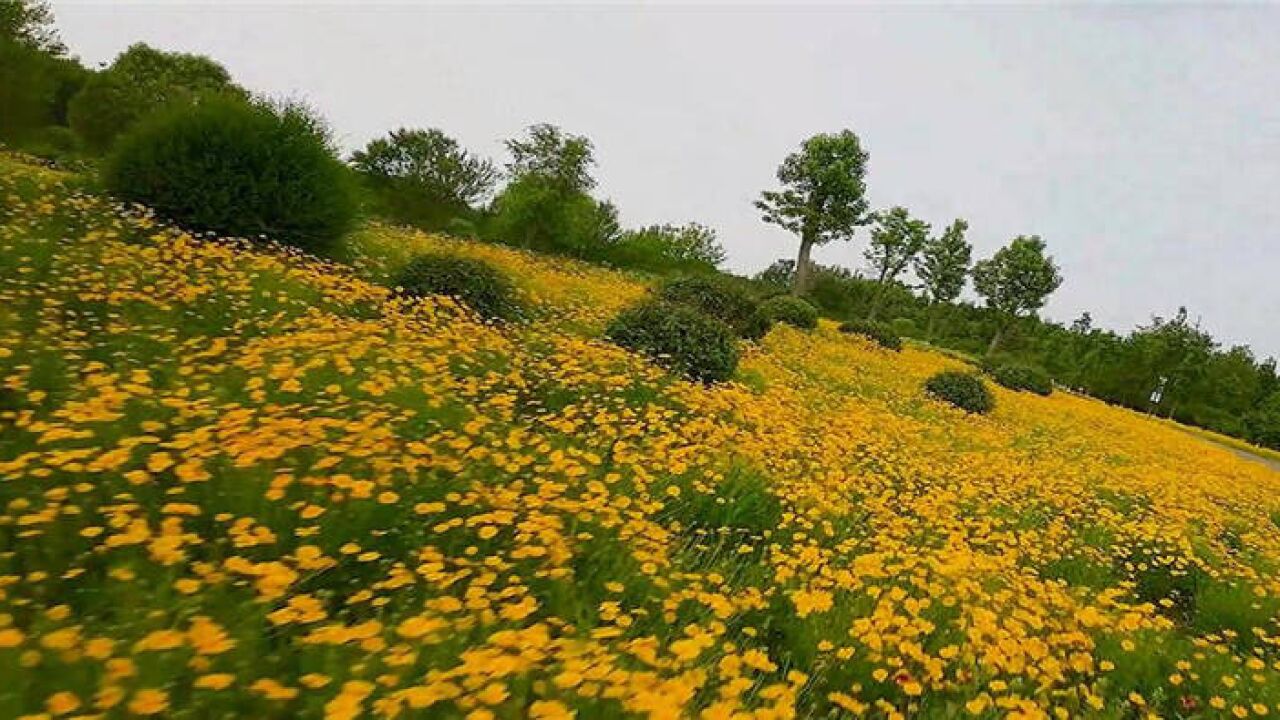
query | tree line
(543,199)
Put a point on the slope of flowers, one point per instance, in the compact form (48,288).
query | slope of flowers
(242,483)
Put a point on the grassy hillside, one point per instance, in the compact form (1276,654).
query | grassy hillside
(237,482)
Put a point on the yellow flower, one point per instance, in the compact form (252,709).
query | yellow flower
(214,681)
(61,703)
(149,702)
(549,710)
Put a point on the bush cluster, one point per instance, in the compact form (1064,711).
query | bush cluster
(879,333)
(791,310)
(237,168)
(474,283)
(1022,377)
(963,390)
(721,299)
(678,338)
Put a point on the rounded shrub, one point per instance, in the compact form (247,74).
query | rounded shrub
(237,168)
(474,283)
(678,338)
(963,390)
(791,310)
(1022,377)
(722,300)
(878,333)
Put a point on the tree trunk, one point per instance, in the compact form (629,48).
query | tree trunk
(876,301)
(801,284)
(930,315)
(995,340)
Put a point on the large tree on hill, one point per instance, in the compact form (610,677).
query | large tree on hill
(30,23)
(943,266)
(140,81)
(1016,281)
(424,177)
(554,156)
(823,195)
(896,239)
(546,205)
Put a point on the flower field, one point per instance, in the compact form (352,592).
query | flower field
(238,482)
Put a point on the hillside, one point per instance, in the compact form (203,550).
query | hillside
(238,482)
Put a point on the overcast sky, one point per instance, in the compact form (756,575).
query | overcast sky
(1143,144)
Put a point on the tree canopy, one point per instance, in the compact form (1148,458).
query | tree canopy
(1017,280)
(424,176)
(30,23)
(549,153)
(823,194)
(140,81)
(943,263)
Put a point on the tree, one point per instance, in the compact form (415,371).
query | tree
(561,159)
(1082,325)
(546,206)
(1263,423)
(1173,355)
(1016,281)
(533,213)
(424,177)
(140,81)
(669,247)
(896,240)
(30,23)
(34,88)
(943,266)
(781,274)
(823,195)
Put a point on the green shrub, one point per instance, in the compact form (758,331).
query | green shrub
(1264,422)
(1022,377)
(879,333)
(237,168)
(679,338)
(474,283)
(722,300)
(667,249)
(140,81)
(791,310)
(904,327)
(963,390)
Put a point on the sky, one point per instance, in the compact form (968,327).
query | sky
(1141,142)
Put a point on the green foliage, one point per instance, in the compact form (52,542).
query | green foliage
(791,310)
(562,160)
(722,299)
(741,502)
(943,263)
(474,283)
(237,168)
(896,240)
(30,23)
(141,81)
(668,248)
(678,338)
(423,177)
(879,333)
(903,326)
(1022,377)
(1263,422)
(34,88)
(823,194)
(961,389)
(1017,279)
(538,214)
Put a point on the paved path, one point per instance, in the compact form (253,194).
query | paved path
(1269,462)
